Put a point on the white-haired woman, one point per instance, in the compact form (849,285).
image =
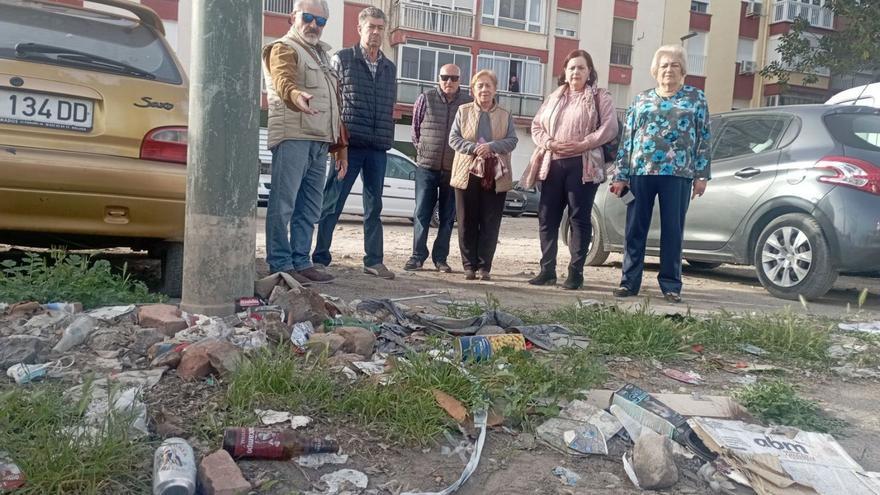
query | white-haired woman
(664,154)
(482,136)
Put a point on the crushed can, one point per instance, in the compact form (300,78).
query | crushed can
(482,347)
(174,468)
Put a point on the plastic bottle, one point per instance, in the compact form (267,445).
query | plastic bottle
(64,307)
(257,443)
(76,333)
(174,468)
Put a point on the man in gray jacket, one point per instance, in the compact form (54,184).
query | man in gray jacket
(304,119)
(433,115)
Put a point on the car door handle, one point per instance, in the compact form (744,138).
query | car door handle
(386,185)
(747,173)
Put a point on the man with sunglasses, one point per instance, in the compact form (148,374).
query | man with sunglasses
(369,91)
(433,114)
(304,119)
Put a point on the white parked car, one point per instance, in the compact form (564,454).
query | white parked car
(398,197)
(867,95)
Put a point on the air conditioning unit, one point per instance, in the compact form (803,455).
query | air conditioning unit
(747,67)
(753,9)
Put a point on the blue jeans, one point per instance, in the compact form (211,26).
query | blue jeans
(295,201)
(674,194)
(370,164)
(433,186)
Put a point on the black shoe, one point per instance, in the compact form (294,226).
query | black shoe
(622,292)
(673,297)
(484,275)
(470,275)
(442,266)
(412,265)
(574,281)
(544,278)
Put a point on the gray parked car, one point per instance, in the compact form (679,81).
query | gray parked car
(795,192)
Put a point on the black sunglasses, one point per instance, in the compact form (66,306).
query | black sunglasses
(308,18)
(446,77)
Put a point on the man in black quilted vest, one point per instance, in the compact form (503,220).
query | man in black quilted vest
(433,115)
(369,90)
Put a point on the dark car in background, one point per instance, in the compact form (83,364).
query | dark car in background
(795,192)
(520,201)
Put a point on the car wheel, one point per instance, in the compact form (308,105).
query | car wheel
(516,215)
(171,256)
(792,258)
(435,217)
(703,265)
(596,253)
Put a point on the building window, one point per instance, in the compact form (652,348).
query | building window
(567,23)
(529,71)
(513,14)
(457,5)
(421,61)
(701,6)
(621,41)
(696,49)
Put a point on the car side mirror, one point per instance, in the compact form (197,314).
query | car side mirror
(412,175)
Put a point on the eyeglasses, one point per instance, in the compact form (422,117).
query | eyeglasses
(308,18)
(447,77)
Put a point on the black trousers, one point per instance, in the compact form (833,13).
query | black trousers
(479,221)
(564,187)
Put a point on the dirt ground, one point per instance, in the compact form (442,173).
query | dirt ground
(731,288)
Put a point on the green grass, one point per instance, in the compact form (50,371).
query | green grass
(786,336)
(777,403)
(32,430)
(405,410)
(70,278)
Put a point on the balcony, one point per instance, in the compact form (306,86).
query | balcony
(433,20)
(789,10)
(519,105)
(621,54)
(696,65)
(278,6)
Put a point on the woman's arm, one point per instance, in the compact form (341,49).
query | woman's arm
(457,142)
(540,135)
(702,124)
(508,142)
(627,145)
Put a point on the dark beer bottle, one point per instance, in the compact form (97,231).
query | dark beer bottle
(259,443)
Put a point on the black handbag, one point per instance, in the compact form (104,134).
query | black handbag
(609,149)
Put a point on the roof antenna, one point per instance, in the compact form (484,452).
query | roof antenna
(859,97)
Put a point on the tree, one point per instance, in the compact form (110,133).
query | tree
(855,47)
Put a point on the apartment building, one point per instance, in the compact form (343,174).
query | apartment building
(728,41)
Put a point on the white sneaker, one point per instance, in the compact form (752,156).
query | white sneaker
(379,271)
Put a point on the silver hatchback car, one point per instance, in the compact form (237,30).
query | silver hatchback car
(795,192)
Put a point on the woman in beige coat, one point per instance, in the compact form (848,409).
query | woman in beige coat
(483,137)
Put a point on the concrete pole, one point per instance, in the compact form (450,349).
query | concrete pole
(221,187)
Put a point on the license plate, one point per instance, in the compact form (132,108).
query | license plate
(55,112)
(514,203)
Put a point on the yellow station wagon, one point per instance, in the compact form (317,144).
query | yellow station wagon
(92,130)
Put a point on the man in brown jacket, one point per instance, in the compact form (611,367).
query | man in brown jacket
(304,120)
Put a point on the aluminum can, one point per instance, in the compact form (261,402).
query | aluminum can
(482,347)
(174,468)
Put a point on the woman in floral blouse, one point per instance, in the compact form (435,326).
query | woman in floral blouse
(664,153)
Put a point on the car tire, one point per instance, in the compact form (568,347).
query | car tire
(596,253)
(792,258)
(703,265)
(170,255)
(435,217)
(516,215)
